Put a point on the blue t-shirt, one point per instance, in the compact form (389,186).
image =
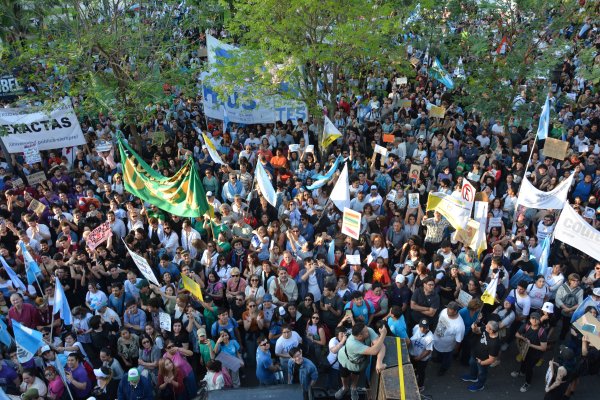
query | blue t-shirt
(357,311)
(467,319)
(230,327)
(263,361)
(398,327)
(231,348)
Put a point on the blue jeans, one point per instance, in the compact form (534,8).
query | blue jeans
(478,370)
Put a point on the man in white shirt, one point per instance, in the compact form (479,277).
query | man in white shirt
(288,339)
(37,231)
(420,349)
(188,235)
(448,335)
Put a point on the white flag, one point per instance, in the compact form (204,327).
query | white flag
(573,230)
(212,150)
(340,195)
(530,196)
(264,184)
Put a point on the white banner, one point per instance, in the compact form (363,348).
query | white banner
(52,129)
(572,229)
(530,196)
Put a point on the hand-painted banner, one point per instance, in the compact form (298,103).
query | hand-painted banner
(99,235)
(351,223)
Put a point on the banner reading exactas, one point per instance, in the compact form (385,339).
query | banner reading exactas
(351,223)
(572,229)
(53,129)
(181,194)
(456,211)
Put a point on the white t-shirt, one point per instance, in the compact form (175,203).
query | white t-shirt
(420,342)
(448,332)
(536,295)
(283,345)
(332,357)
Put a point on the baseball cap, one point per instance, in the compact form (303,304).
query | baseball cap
(45,349)
(424,323)
(373,187)
(535,315)
(566,353)
(596,291)
(201,332)
(102,372)
(511,300)
(133,375)
(281,311)
(454,306)
(400,278)
(267,297)
(209,194)
(548,307)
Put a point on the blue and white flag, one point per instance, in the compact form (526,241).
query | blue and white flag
(4,335)
(225,120)
(32,268)
(28,341)
(17,282)
(544,255)
(331,253)
(264,184)
(438,72)
(544,124)
(61,304)
(321,180)
(587,302)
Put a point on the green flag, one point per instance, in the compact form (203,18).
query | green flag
(181,194)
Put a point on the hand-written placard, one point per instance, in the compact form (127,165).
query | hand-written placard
(37,207)
(99,235)
(165,321)
(351,223)
(437,112)
(413,200)
(555,148)
(464,298)
(36,178)
(32,153)
(352,259)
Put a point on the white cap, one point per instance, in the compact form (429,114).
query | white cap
(45,349)
(209,194)
(281,311)
(548,307)
(596,291)
(373,187)
(400,278)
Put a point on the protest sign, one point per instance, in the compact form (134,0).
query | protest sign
(573,230)
(415,61)
(37,207)
(589,327)
(464,298)
(589,212)
(391,196)
(99,235)
(17,183)
(36,178)
(437,112)
(164,321)
(495,222)
(415,171)
(294,147)
(381,150)
(413,200)
(103,145)
(351,223)
(353,259)
(555,148)
(31,153)
(405,103)
(403,80)
(53,129)
(310,148)
(388,138)
(143,266)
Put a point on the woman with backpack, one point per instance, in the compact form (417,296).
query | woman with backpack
(568,298)
(536,338)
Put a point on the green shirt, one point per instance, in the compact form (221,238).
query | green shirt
(350,356)
(205,351)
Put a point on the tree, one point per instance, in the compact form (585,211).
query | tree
(308,44)
(114,57)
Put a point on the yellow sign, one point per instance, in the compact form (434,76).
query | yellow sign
(191,286)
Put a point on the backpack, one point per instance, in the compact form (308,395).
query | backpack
(540,331)
(228,382)
(571,298)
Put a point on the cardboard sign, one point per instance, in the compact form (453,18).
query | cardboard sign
(464,298)
(310,148)
(36,178)
(437,112)
(405,103)
(415,171)
(391,196)
(403,80)
(589,327)
(99,235)
(294,147)
(381,150)
(143,266)
(415,61)
(388,138)
(413,200)
(495,222)
(351,223)
(32,153)
(17,183)
(555,148)
(165,321)
(37,207)
(103,145)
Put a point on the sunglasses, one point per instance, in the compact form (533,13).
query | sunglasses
(235,276)
(251,305)
(317,318)
(264,344)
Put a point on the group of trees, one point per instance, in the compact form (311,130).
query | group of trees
(117,55)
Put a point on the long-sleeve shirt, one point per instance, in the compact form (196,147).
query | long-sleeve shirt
(29,316)
(136,319)
(289,288)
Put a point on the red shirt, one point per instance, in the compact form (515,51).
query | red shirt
(29,316)
(293,269)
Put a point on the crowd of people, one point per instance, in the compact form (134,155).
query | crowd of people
(276,308)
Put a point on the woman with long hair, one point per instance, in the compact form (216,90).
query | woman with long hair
(56,386)
(170,381)
(231,347)
(178,356)
(316,339)
(254,291)
(215,287)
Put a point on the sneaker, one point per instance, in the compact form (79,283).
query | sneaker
(504,347)
(524,388)
(540,362)
(476,387)
(353,394)
(340,393)
(468,378)
(495,363)
(516,374)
